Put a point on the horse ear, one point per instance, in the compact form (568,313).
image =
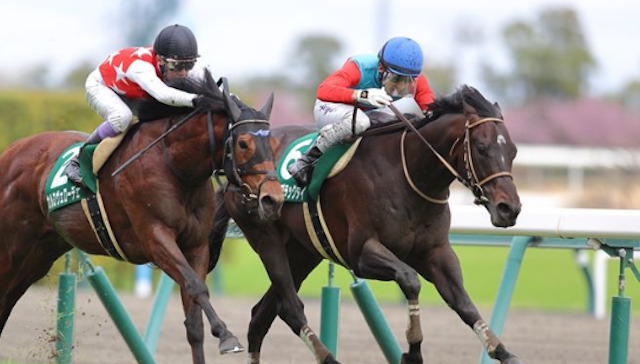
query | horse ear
(230,104)
(266,109)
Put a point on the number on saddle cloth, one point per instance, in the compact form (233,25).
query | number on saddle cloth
(338,155)
(59,191)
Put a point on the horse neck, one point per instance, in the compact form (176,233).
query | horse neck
(189,150)
(430,174)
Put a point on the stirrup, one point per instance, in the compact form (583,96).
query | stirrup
(72,171)
(303,175)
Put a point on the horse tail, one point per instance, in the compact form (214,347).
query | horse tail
(219,231)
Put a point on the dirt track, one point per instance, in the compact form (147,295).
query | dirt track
(538,338)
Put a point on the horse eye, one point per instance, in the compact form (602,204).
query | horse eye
(243,144)
(482,148)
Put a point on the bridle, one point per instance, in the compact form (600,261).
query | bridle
(471,181)
(234,171)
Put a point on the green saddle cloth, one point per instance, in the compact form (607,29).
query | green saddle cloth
(293,193)
(59,191)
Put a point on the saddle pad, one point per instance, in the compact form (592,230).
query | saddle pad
(330,163)
(58,191)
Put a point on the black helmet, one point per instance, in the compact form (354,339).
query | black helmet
(177,42)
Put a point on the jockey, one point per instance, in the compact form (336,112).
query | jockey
(370,82)
(136,73)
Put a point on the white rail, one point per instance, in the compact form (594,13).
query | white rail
(551,223)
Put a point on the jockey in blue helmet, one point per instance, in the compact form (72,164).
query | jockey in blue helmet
(370,82)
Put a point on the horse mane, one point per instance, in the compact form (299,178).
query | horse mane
(152,109)
(453,104)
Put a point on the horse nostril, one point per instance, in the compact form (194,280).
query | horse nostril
(504,209)
(267,202)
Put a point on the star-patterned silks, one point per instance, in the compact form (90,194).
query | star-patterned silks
(114,70)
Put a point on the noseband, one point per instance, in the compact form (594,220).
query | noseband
(472,181)
(235,171)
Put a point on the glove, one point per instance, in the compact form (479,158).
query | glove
(196,101)
(377,97)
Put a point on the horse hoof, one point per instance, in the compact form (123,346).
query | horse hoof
(230,345)
(411,358)
(330,360)
(512,360)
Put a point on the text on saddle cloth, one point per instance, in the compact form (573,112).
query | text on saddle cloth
(331,163)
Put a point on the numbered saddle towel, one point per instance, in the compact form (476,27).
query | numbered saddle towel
(330,164)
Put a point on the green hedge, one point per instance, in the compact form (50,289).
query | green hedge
(24,113)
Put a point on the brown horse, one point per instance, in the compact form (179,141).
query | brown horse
(388,214)
(161,207)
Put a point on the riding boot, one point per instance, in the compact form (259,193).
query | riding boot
(302,169)
(72,170)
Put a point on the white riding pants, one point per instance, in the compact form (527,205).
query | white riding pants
(107,103)
(334,122)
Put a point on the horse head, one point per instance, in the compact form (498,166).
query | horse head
(227,134)
(249,163)
(486,153)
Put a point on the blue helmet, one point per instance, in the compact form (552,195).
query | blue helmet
(402,56)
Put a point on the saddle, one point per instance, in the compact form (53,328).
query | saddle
(332,162)
(60,192)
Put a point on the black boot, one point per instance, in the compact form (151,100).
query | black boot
(72,170)
(302,169)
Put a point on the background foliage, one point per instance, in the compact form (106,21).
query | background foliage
(29,112)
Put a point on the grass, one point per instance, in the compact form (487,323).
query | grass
(549,279)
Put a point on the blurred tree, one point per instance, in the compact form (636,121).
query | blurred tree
(36,77)
(629,96)
(550,57)
(442,77)
(312,59)
(76,78)
(149,16)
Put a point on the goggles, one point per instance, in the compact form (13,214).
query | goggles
(398,85)
(177,65)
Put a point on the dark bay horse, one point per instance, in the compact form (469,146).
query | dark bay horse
(388,214)
(161,207)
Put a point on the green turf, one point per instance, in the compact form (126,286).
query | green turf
(549,278)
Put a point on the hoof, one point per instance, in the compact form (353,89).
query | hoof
(512,360)
(230,345)
(330,360)
(409,358)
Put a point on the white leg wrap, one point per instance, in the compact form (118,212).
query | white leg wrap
(486,336)
(107,103)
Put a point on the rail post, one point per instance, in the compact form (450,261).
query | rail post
(329,313)
(66,306)
(376,320)
(507,286)
(160,302)
(620,314)
(112,303)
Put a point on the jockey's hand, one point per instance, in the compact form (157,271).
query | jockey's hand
(197,101)
(377,97)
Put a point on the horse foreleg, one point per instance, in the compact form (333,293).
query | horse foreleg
(443,270)
(195,329)
(168,257)
(287,270)
(378,262)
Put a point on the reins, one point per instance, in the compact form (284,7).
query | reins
(158,139)
(472,181)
